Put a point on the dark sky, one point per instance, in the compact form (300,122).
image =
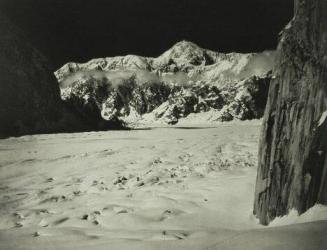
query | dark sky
(78,30)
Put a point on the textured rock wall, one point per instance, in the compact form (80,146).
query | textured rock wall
(292,171)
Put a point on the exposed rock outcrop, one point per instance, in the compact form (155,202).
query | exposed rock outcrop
(164,102)
(29,94)
(292,171)
(185,79)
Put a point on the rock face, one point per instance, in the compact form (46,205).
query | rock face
(185,79)
(292,171)
(166,103)
(29,94)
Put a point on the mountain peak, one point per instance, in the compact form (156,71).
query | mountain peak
(185,47)
(185,44)
(186,52)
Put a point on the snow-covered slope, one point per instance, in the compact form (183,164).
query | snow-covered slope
(185,79)
(162,188)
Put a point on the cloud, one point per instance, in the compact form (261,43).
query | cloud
(116,77)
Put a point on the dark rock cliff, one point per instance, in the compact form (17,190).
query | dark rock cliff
(29,93)
(292,171)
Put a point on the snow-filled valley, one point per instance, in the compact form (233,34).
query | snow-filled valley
(153,188)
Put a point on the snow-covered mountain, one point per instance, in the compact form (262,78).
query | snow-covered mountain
(184,57)
(183,80)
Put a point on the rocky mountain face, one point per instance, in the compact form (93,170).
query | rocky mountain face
(292,171)
(166,102)
(185,79)
(29,95)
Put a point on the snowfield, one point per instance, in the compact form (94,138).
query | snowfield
(157,188)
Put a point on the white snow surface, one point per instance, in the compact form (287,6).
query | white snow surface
(322,118)
(186,187)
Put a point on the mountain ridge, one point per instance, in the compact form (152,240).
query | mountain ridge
(184,56)
(184,79)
